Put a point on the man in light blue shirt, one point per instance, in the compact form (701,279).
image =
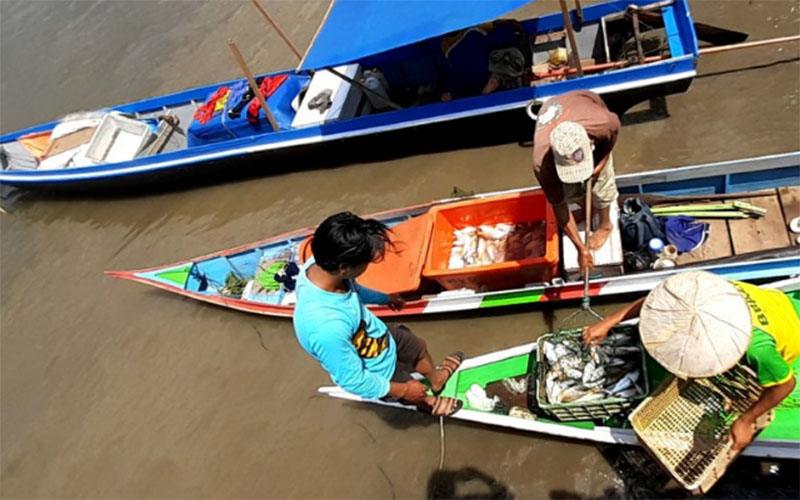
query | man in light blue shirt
(332,323)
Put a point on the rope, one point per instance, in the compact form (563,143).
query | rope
(441,442)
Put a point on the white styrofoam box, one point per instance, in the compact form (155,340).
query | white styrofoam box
(116,139)
(607,259)
(345,97)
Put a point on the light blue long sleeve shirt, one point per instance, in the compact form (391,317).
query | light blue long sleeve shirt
(326,323)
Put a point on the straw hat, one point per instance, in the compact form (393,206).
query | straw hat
(695,324)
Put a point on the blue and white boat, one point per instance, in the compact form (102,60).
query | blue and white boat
(424,62)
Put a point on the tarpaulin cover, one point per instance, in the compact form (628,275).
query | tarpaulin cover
(358,28)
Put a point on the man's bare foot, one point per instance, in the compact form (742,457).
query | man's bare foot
(599,237)
(438,378)
(442,373)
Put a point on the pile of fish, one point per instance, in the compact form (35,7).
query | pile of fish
(577,374)
(485,245)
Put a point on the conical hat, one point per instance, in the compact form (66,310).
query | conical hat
(695,324)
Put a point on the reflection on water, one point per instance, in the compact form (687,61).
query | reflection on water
(468,482)
(110,389)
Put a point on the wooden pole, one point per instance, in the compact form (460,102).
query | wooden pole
(748,45)
(252,81)
(316,33)
(587,233)
(638,36)
(576,57)
(703,52)
(579,12)
(271,21)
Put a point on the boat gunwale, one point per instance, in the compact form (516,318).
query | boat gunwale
(741,165)
(419,306)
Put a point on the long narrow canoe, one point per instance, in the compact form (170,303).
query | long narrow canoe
(203,278)
(780,440)
(415,74)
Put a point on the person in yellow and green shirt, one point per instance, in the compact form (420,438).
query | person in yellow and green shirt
(697,324)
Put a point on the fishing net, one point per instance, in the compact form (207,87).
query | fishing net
(581,318)
(584,316)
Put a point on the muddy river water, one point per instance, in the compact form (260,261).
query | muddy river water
(112,390)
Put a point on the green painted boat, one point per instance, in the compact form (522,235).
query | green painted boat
(781,439)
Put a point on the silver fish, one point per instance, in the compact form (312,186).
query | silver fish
(549,384)
(615,362)
(570,361)
(592,396)
(573,394)
(625,382)
(619,339)
(565,349)
(593,374)
(550,352)
(622,350)
(617,372)
(598,355)
(628,392)
(579,374)
(555,388)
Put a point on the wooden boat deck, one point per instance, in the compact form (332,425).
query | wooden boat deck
(729,237)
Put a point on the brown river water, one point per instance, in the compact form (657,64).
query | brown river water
(109,389)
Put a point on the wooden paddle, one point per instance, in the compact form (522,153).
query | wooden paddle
(278,29)
(253,86)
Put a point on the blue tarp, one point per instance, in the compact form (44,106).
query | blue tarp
(358,28)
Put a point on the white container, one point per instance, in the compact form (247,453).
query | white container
(345,97)
(664,263)
(607,259)
(117,139)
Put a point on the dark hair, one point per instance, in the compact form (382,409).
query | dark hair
(347,240)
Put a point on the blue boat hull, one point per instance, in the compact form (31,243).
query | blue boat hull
(457,121)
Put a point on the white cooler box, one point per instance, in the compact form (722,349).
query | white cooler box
(607,260)
(345,97)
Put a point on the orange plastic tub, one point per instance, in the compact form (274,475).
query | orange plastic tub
(510,208)
(401,269)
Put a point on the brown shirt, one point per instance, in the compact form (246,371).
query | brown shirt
(582,107)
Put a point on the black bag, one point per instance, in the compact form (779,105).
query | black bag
(638,226)
(637,261)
